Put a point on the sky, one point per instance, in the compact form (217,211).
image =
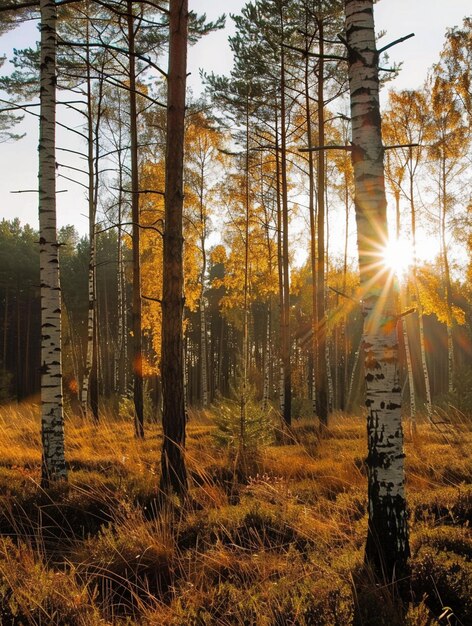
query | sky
(428,19)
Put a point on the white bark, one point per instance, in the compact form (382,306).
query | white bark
(424,365)
(387,540)
(282,389)
(266,389)
(353,376)
(52,418)
(203,353)
(90,325)
(329,375)
(411,383)
(409,365)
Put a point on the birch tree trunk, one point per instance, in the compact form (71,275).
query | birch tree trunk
(267,359)
(174,474)
(447,279)
(387,547)
(406,342)
(90,379)
(52,418)
(424,364)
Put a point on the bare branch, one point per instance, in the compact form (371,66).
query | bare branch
(394,43)
(321,148)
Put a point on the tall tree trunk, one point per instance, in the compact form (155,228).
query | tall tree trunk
(174,474)
(287,370)
(122,295)
(280,264)
(321,366)
(203,333)
(311,211)
(387,547)
(266,361)
(137,302)
(344,337)
(89,386)
(245,337)
(424,364)
(403,303)
(447,280)
(52,418)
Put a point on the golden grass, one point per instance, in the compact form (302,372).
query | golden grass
(282,545)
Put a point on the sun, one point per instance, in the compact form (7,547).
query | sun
(398,257)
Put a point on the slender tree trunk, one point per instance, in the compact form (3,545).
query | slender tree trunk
(344,337)
(280,264)
(203,333)
(174,474)
(27,346)
(447,280)
(245,350)
(137,303)
(424,364)
(403,302)
(311,211)
(89,384)
(387,547)
(5,328)
(18,345)
(321,366)
(122,295)
(266,366)
(287,376)
(52,417)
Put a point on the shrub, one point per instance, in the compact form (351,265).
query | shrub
(446,579)
(30,593)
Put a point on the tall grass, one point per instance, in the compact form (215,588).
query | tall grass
(282,545)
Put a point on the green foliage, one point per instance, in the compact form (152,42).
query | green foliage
(243,426)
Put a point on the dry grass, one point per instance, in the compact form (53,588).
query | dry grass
(283,546)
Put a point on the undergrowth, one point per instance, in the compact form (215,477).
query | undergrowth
(279,544)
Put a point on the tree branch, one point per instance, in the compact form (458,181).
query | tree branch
(394,43)
(320,148)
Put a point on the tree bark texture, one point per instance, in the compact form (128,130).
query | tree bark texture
(52,418)
(387,547)
(174,474)
(137,303)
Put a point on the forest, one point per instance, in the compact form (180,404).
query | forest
(244,395)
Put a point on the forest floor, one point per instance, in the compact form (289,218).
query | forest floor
(281,544)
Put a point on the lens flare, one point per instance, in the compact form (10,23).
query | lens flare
(398,257)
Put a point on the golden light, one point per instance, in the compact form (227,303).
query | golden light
(397,257)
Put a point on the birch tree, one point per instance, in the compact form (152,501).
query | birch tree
(387,547)
(52,418)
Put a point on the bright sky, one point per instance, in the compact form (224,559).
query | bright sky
(428,19)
